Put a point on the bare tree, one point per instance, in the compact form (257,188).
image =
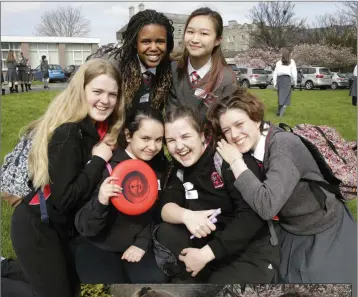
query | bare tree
(63,21)
(350,9)
(275,24)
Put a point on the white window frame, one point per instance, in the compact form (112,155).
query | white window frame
(73,51)
(10,46)
(46,51)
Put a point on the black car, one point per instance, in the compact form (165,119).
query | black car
(70,71)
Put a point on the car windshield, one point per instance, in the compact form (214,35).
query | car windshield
(268,71)
(342,75)
(258,71)
(234,67)
(324,71)
(54,67)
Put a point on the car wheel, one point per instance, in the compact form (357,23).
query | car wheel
(271,81)
(263,87)
(245,84)
(334,86)
(309,85)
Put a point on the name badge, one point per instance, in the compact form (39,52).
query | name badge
(188,186)
(144,98)
(200,93)
(191,194)
(159,188)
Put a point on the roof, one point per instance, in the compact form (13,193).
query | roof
(175,17)
(230,54)
(49,39)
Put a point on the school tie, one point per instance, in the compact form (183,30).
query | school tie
(147,78)
(194,78)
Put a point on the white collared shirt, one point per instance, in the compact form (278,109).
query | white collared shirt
(201,71)
(355,71)
(143,69)
(290,70)
(259,152)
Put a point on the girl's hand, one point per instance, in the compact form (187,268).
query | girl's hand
(102,150)
(133,254)
(108,190)
(198,223)
(228,152)
(196,259)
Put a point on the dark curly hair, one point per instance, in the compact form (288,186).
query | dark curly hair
(129,67)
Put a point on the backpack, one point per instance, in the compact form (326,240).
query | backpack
(335,157)
(15,179)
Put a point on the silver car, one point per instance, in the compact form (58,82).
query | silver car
(316,77)
(253,77)
(339,80)
(269,76)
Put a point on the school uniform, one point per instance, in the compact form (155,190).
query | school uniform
(11,76)
(241,242)
(189,90)
(107,233)
(318,242)
(23,76)
(42,248)
(353,90)
(284,76)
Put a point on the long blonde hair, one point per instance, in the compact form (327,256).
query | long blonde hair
(10,56)
(70,106)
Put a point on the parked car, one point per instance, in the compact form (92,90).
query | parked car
(269,76)
(70,70)
(236,70)
(55,73)
(253,77)
(316,77)
(339,80)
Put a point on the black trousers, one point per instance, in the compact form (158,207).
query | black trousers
(256,265)
(44,257)
(354,100)
(95,265)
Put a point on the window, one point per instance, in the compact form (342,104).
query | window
(311,70)
(324,71)
(5,47)
(37,50)
(76,54)
(258,71)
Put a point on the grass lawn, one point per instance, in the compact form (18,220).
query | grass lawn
(329,107)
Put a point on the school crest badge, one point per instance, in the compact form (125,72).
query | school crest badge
(217,180)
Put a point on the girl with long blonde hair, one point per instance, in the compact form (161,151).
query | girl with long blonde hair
(71,144)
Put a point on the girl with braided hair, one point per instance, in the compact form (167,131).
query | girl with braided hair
(143,60)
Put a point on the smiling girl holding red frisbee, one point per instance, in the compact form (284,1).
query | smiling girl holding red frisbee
(117,242)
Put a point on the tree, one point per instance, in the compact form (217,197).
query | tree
(275,25)
(331,56)
(63,21)
(350,9)
(333,29)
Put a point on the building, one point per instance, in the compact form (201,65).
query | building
(58,50)
(236,37)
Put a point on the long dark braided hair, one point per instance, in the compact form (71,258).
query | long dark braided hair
(129,67)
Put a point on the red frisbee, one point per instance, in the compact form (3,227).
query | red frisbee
(139,184)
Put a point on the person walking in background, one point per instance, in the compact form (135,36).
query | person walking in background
(22,74)
(11,64)
(2,83)
(45,73)
(353,91)
(284,75)
(300,78)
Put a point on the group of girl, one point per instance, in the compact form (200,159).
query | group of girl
(217,140)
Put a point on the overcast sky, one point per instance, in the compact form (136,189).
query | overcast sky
(21,18)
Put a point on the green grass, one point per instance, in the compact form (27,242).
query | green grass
(331,108)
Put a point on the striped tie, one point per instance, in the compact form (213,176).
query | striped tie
(194,77)
(147,78)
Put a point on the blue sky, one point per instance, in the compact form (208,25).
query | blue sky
(21,18)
